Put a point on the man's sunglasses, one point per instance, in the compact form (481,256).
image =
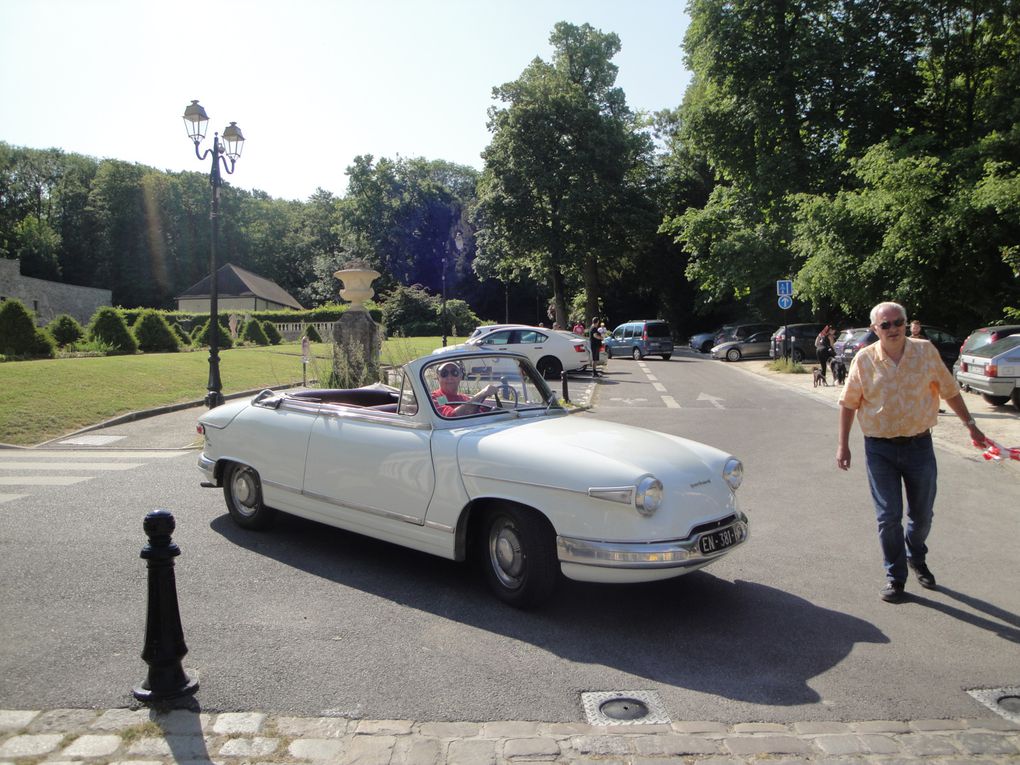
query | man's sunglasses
(897,323)
(449,373)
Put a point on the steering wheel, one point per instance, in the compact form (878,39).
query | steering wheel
(509,393)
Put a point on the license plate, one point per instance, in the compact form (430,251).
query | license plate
(717,540)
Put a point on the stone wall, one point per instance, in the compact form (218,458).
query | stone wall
(50,299)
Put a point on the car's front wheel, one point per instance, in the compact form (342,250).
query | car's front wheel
(733,354)
(798,355)
(519,555)
(636,354)
(666,356)
(995,400)
(242,489)
(1016,397)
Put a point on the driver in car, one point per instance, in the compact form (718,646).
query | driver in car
(449,401)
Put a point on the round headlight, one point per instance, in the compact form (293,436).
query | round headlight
(733,473)
(649,495)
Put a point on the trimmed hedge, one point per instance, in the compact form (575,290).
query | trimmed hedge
(108,327)
(272,333)
(253,332)
(313,334)
(154,334)
(65,329)
(19,336)
(223,339)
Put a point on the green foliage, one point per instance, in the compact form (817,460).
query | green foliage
(253,332)
(272,333)
(154,333)
(786,365)
(65,329)
(19,336)
(37,245)
(182,334)
(460,319)
(223,340)
(108,326)
(312,334)
(411,311)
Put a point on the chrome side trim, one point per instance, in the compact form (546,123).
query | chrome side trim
(440,527)
(499,479)
(622,494)
(646,555)
(280,486)
(364,509)
(392,419)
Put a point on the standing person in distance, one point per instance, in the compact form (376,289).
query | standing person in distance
(595,341)
(893,390)
(823,349)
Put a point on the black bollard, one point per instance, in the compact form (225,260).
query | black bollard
(164,636)
(566,393)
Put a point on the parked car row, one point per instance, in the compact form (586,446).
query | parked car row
(990,366)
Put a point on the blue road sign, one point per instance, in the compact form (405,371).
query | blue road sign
(785,301)
(784,287)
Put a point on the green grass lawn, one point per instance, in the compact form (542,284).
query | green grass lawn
(40,400)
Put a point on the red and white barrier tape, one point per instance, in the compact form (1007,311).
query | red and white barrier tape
(994,451)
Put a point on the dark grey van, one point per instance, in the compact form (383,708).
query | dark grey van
(639,338)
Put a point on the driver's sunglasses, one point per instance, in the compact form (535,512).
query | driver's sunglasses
(897,323)
(449,373)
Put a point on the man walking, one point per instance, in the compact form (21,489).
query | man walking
(893,389)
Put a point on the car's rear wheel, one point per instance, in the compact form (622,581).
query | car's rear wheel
(636,354)
(733,354)
(242,489)
(550,367)
(798,355)
(706,346)
(1016,397)
(666,356)
(519,555)
(995,400)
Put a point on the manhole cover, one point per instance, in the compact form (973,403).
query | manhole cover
(1005,702)
(624,708)
(1010,704)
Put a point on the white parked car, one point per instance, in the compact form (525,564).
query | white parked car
(552,351)
(471,455)
(993,370)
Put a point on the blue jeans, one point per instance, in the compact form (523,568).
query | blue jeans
(891,469)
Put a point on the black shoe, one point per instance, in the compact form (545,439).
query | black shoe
(924,575)
(892,592)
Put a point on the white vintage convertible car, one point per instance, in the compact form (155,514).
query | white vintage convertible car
(470,454)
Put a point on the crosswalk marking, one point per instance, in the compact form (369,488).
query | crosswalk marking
(88,454)
(15,465)
(42,480)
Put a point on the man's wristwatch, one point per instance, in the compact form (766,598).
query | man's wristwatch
(970,422)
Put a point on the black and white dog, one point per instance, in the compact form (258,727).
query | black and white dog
(838,369)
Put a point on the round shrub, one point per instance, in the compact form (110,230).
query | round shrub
(108,327)
(272,333)
(201,336)
(65,330)
(154,333)
(312,334)
(18,334)
(182,334)
(253,332)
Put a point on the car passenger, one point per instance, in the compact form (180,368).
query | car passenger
(450,402)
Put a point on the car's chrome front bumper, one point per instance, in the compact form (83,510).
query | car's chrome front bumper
(679,553)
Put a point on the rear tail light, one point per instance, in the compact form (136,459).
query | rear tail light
(644,336)
(579,347)
(992,370)
(964,367)
(201,429)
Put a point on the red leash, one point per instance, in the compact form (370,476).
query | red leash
(994,451)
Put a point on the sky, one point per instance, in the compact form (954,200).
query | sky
(311,83)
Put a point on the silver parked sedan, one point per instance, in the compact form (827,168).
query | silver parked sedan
(753,346)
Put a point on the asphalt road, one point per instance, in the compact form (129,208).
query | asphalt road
(310,620)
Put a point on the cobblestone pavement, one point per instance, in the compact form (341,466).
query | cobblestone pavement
(143,736)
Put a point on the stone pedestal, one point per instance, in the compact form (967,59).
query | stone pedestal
(357,340)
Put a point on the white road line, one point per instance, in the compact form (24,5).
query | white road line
(10,497)
(42,480)
(69,465)
(652,378)
(659,387)
(670,402)
(713,400)
(89,454)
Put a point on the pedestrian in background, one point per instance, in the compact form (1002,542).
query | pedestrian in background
(893,390)
(916,331)
(595,341)
(823,348)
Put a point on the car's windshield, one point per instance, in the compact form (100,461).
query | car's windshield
(485,385)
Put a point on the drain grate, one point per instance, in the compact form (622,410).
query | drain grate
(624,708)
(1005,702)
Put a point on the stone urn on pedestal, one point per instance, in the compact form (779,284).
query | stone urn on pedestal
(357,340)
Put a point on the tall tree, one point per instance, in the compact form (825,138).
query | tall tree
(566,157)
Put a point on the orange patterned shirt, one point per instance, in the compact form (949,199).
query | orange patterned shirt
(898,399)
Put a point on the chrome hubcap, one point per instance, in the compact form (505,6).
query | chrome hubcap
(243,489)
(506,554)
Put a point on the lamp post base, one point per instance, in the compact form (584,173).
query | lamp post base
(213,399)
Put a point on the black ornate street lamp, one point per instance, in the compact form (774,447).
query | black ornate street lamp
(227,151)
(458,241)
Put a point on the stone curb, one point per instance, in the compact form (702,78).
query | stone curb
(103,737)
